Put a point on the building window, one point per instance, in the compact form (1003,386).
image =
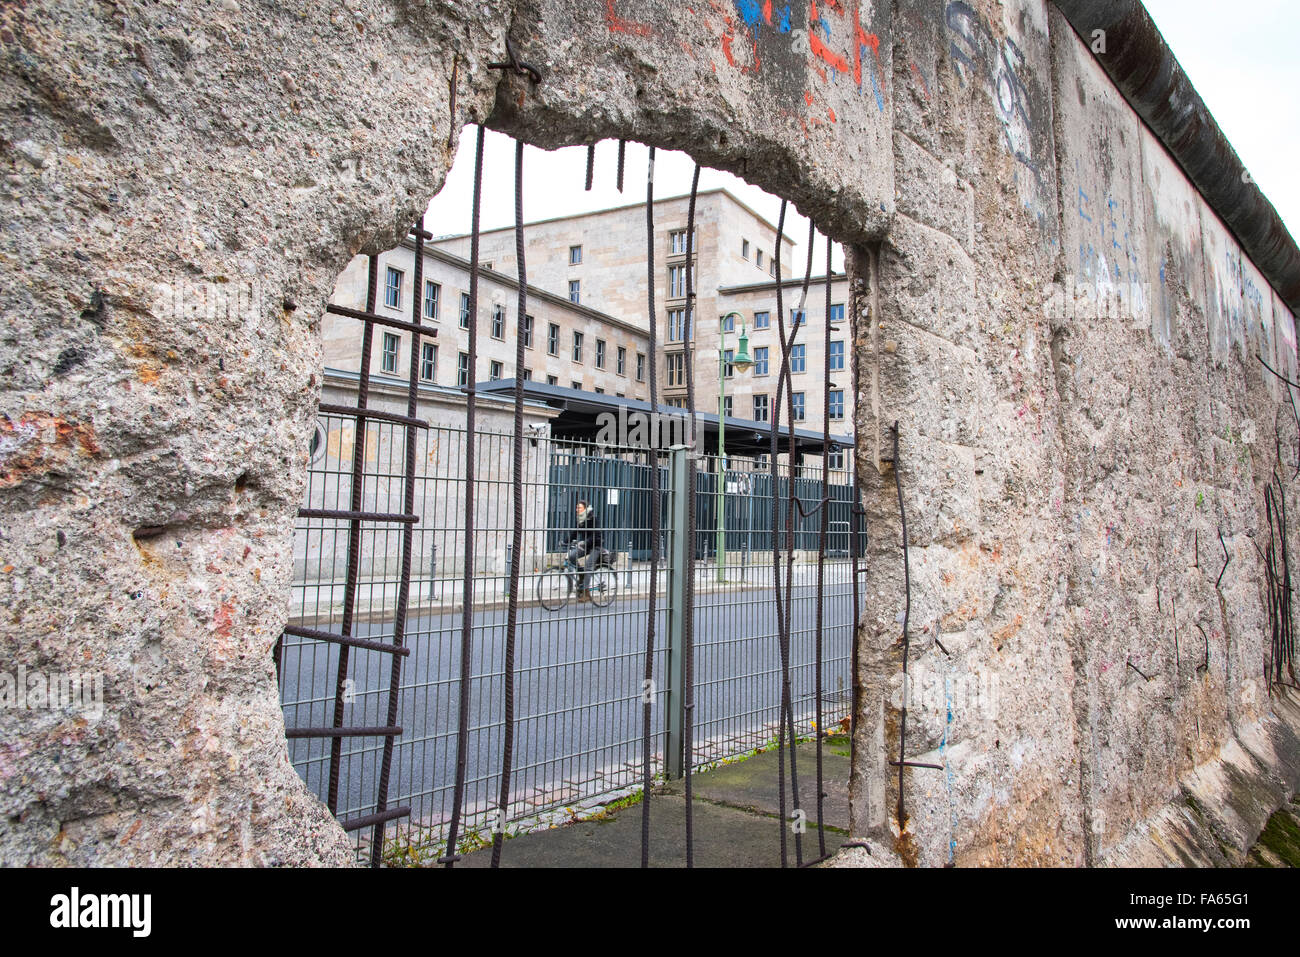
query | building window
(837,313)
(771,267)
(676,325)
(599,391)
(432,291)
(837,459)
(744,248)
(729,322)
(676,369)
(462,370)
(486,265)
(760,361)
(528,374)
(494,370)
(762,320)
(600,353)
(553,340)
(835,358)
(577,347)
(726,406)
(760,408)
(729,369)
(428,360)
(758,258)
(797,358)
(464,310)
(552,380)
(575,296)
(620,362)
(528,332)
(677,242)
(576,385)
(676,282)
(796,318)
(388,362)
(620,395)
(797,399)
(498,321)
(835,403)
(640,367)
(393,289)
(575,255)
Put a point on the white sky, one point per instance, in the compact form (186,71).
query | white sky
(555,181)
(1241,57)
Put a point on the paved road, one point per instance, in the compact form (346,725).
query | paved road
(577,695)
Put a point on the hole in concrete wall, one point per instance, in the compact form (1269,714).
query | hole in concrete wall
(587,349)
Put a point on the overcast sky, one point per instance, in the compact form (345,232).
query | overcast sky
(1243,57)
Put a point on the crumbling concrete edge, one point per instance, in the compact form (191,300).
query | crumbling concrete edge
(1224,804)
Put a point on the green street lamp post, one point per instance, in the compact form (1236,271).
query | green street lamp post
(741,363)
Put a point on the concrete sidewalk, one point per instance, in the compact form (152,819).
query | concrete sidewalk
(736,822)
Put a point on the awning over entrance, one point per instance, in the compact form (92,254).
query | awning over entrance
(580,412)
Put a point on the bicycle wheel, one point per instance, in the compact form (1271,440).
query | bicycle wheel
(553,588)
(602,586)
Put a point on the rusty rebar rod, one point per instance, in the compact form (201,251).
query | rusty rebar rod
(451,854)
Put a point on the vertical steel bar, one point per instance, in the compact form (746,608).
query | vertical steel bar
(679,564)
(354,533)
(907,613)
(467,580)
(688,566)
(776,545)
(408,531)
(655,517)
(821,546)
(517,492)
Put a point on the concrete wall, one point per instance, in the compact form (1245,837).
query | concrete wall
(184,185)
(1066,335)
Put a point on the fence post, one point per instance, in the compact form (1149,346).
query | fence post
(680,564)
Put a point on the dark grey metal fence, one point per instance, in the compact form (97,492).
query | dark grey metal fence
(578,669)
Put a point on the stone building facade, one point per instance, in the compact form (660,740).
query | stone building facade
(599,259)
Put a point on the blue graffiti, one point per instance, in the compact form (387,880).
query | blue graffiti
(750,12)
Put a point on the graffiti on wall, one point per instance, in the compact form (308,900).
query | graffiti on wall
(828,35)
(1001,64)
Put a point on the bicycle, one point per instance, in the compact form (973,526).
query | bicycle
(556,584)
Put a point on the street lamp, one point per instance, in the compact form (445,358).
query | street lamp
(741,363)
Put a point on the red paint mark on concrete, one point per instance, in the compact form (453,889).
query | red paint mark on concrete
(767,11)
(925,88)
(821,50)
(831,111)
(618,24)
(726,48)
(807,97)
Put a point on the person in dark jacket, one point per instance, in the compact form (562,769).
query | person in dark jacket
(586,543)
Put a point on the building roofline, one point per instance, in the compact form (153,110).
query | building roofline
(785,284)
(533,291)
(626,206)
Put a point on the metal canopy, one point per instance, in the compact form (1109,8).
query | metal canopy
(581,409)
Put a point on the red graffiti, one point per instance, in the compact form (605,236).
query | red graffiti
(925,88)
(821,50)
(617,24)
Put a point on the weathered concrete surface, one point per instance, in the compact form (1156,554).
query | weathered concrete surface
(1081,414)
(184,182)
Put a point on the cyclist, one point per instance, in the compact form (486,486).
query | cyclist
(585,542)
